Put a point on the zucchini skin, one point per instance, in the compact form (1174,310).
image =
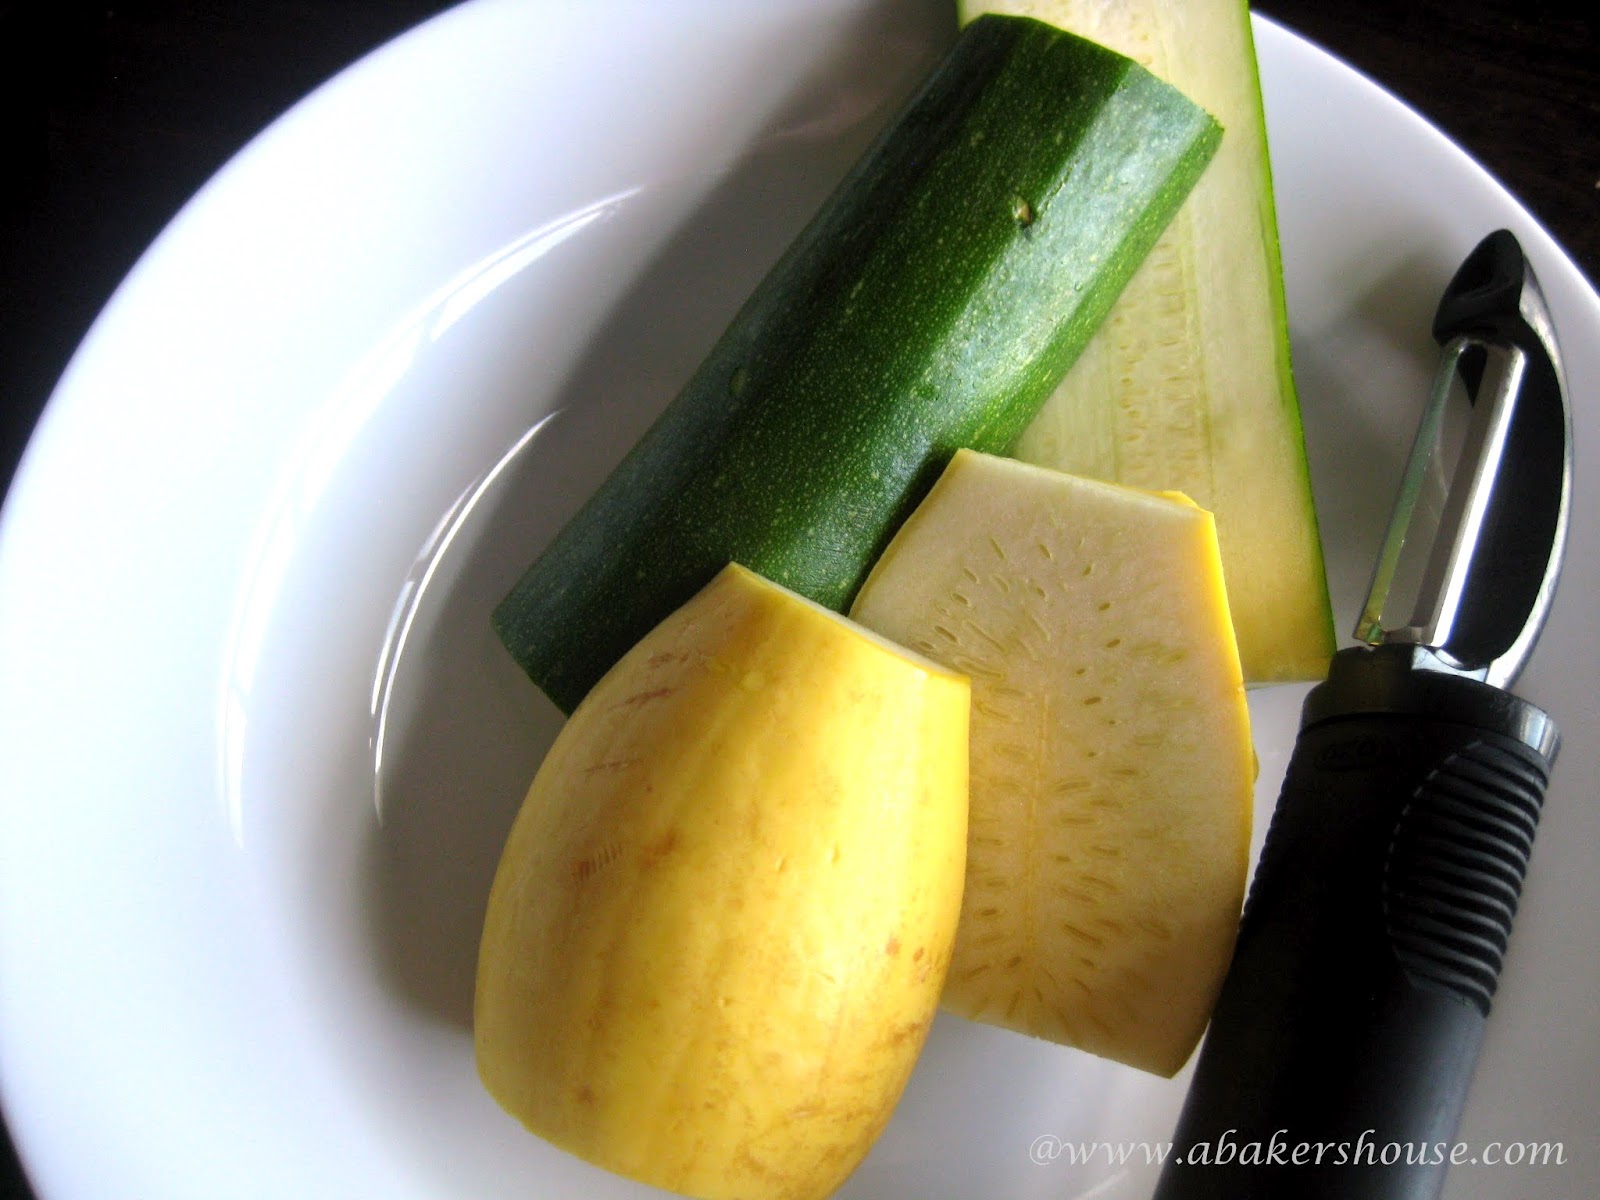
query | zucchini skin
(1189,384)
(932,303)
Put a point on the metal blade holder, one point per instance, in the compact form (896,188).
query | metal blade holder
(1344,1040)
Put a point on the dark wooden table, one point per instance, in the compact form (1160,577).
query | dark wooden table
(113,114)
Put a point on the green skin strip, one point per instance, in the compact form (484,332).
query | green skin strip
(933,303)
(1188,385)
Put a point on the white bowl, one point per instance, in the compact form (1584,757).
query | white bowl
(258,747)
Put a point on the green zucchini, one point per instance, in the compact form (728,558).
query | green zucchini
(1188,384)
(933,303)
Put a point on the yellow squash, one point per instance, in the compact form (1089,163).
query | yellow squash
(722,920)
(1112,767)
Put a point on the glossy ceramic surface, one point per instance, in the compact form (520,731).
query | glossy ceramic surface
(258,748)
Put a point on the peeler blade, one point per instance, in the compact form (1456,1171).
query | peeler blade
(1495,555)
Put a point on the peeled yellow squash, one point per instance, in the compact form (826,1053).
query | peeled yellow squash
(1112,767)
(724,914)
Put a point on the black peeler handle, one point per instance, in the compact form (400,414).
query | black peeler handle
(1341,1049)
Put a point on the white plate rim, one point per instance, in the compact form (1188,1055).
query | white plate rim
(46,491)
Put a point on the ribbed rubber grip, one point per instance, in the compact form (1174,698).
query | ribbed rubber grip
(1341,1049)
(1455,868)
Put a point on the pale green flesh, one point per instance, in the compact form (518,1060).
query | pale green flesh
(1188,384)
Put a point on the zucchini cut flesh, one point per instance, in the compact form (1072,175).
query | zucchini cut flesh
(1188,384)
(933,303)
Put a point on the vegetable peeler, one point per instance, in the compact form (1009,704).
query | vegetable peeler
(1342,1045)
